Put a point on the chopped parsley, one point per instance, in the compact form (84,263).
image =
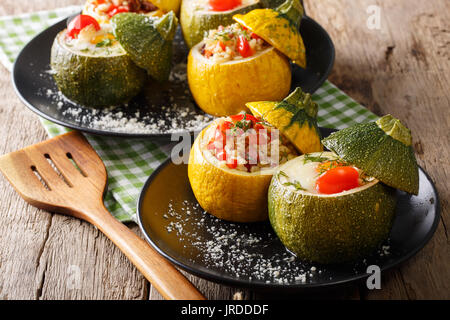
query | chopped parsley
(243,124)
(104,43)
(295,184)
(330,164)
(310,158)
(282,173)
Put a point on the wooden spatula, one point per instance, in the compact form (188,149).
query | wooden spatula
(65,175)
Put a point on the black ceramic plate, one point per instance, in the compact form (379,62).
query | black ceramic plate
(144,116)
(250,255)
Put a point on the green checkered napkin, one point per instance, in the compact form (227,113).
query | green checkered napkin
(130,161)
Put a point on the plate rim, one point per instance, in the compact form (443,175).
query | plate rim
(235,282)
(158,136)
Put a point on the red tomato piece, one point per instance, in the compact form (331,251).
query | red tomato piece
(208,53)
(211,145)
(258,127)
(239,117)
(116,10)
(80,22)
(244,48)
(224,5)
(221,155)
(337,180)
(232,164)
(224,126)
(255,36)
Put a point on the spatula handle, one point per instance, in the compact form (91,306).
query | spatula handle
(161,273)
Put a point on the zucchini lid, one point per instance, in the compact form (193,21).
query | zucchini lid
(279,27)
(148,41)
(295,117)
(382,149)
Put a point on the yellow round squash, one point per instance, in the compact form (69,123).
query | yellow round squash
(224,88)
(275,28)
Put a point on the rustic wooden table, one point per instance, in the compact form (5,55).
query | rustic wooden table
(402,68)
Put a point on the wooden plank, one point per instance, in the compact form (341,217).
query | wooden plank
(402,69)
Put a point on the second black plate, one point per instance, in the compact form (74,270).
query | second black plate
(250,254)
(161,109)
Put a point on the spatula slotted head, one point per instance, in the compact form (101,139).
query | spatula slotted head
(63,174)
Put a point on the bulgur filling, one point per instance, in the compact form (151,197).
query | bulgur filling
(246,143)
(94,42)
(103,10)
(233,42)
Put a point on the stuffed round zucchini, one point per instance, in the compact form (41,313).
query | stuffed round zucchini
(327,211)
(231,164)
(334,207)
(232,66)
(91,67)
(200,16)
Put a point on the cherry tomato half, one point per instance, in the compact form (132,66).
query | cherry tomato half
(337,180)
(224,5)
(115,10)
(244,48)
(80,22)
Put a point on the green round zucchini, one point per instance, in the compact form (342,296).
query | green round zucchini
(94,80)
(196,19)
(336,228)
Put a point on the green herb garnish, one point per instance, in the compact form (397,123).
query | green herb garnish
(243,124)
(104,43)
(224,35)
(282,173)
(295,184)
(331,164)
(310,158)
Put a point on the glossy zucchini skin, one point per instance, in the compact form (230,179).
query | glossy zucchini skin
(148,41)
(95,81)
(333,229)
